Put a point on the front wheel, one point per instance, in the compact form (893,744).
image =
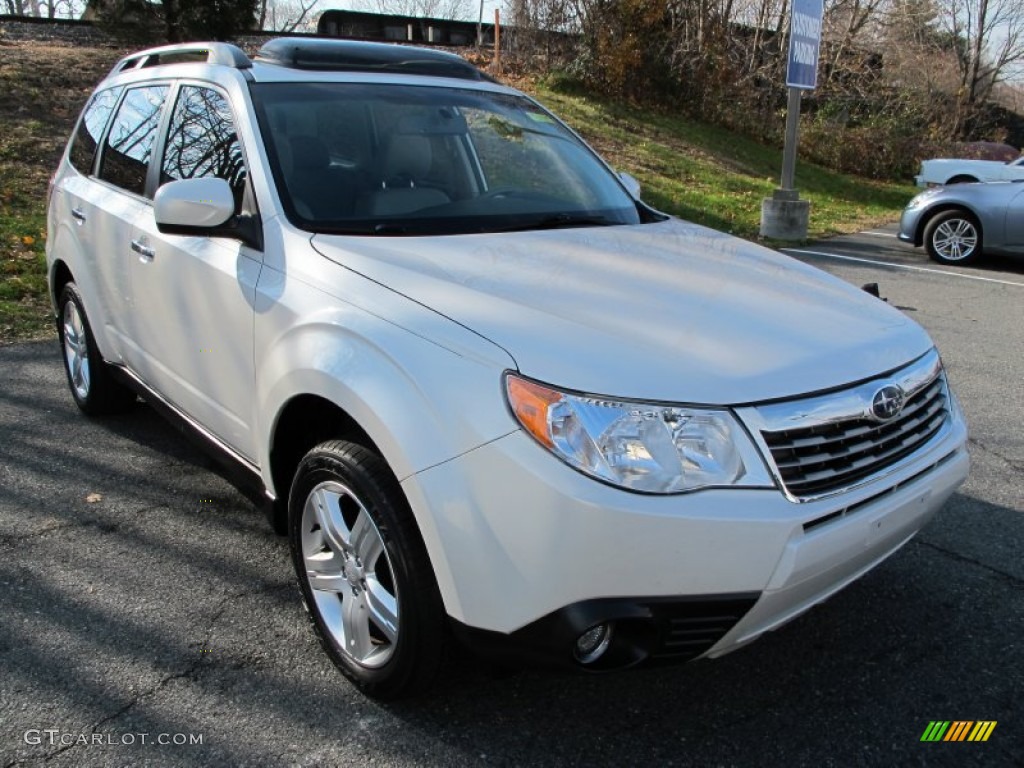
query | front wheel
(953,237)
(95,391)
(363,571)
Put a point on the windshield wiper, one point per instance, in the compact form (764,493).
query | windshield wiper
(390,229)
(562,220)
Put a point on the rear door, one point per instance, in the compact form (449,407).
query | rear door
(118,199)
(79,202)
(194,296)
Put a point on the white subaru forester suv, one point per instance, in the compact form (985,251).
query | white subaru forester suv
(492,397)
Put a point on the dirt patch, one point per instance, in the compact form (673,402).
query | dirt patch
(44,86)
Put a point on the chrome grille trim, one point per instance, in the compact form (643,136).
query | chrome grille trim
(824,445)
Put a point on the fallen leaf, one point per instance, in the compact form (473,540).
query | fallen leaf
(92,498)
(28,240)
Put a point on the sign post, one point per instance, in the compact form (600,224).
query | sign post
(784,216)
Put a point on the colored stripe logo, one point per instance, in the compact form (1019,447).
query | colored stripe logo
(959,730)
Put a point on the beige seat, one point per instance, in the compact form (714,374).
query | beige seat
(407,164)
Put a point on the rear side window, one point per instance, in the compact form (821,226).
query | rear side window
(129,143)
(83,146)
(202,141)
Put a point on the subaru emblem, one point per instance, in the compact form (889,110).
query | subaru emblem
(887,403)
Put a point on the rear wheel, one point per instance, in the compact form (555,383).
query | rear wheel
(363,571)
(92,386)
(953,237)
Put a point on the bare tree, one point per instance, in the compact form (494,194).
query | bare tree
(22,7)
(988,41)
(50,9)
(287,15)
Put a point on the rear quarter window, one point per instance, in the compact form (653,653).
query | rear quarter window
(90,129)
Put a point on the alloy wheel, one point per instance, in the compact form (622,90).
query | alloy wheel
(76,350)
(350,574)
(955,239)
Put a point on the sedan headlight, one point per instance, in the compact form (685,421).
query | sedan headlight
(920,199)
(643,447)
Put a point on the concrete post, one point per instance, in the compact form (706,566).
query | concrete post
(784,216)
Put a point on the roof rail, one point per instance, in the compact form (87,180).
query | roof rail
(224,54)
(358,56)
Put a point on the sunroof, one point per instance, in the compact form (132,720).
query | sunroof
(358,56)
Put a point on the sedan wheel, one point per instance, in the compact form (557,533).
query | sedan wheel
(953,237)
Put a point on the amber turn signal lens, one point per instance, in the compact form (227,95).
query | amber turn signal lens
(530,403)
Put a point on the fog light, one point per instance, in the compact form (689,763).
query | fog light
(592,644)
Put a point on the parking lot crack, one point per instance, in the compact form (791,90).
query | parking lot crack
(127,707)
(14,538)
(210,624)
(1015,580)
(1012,463)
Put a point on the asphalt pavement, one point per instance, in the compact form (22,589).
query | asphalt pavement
(149,615)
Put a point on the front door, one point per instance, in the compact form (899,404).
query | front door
(193,296)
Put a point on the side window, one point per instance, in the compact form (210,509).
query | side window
(202,141)
(83,146)
(126,151)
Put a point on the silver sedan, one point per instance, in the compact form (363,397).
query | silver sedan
(956,223)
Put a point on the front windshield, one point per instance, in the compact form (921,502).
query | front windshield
(376,159)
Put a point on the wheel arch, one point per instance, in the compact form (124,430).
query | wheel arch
(926,219)
(305,421)
(413,402)
(60,275)
(962,178)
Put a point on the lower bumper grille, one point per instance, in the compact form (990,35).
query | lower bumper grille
(690,629)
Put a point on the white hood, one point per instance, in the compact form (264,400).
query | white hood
(668,311)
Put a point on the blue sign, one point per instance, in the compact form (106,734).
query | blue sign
(804,44)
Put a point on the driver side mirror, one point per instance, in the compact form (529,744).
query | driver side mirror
(205,208)
(196,203)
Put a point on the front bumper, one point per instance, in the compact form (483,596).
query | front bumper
(529,553)
(908,226)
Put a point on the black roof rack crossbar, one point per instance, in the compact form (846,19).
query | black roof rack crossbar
(224,54)
(360,56)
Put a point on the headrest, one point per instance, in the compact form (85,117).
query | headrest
(408,156)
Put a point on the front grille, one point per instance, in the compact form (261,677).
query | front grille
(820,459)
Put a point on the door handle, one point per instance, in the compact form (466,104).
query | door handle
(78,215)
(147,253)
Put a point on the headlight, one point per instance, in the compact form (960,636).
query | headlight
(918,200)
(639,446)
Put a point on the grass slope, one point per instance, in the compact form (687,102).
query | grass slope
(42,89)
(695,171)
(708,175)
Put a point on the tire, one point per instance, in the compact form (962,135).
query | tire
(953,237)
(962,180)
(94,389)
(363,571)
